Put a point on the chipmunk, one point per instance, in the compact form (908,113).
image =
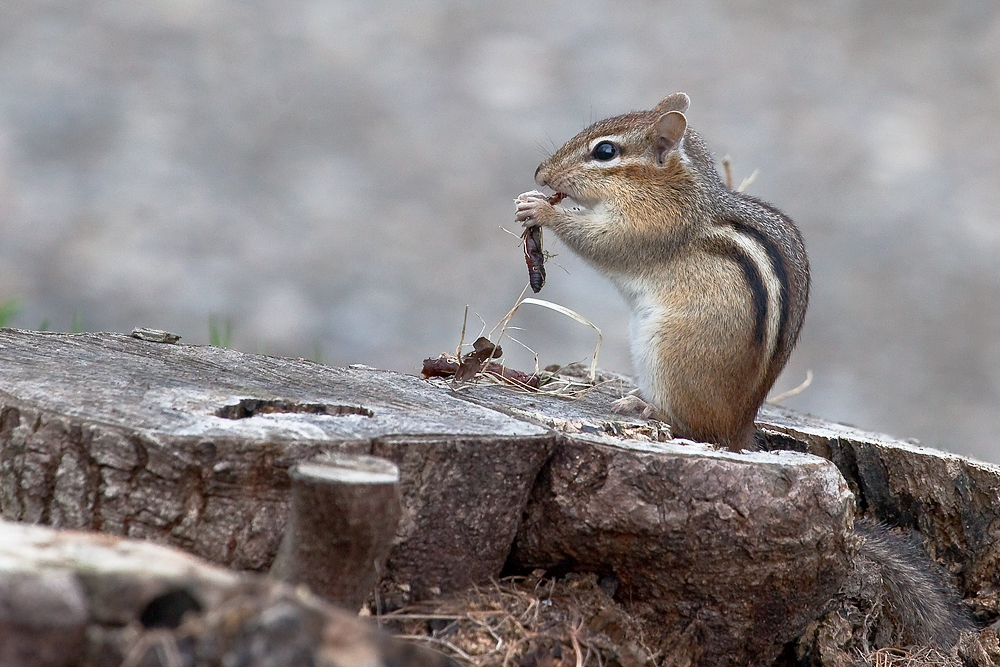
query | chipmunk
(717,281)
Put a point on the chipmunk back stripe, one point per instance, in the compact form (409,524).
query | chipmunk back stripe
(732,251)
(779,271)
(766,277)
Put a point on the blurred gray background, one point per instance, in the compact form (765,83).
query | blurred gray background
(331,176)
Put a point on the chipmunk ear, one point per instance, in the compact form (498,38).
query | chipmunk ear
(675,102)
(670,128)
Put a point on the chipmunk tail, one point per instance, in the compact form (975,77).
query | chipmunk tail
(917,601)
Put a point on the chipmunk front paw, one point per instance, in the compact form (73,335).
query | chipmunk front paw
(533,209)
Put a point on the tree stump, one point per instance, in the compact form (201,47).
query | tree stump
(191,446)
(343,516)
(727,556)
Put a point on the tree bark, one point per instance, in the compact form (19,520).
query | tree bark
(343,516)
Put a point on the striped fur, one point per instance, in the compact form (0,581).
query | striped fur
(717,281)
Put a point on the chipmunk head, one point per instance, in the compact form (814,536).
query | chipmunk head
(635,146)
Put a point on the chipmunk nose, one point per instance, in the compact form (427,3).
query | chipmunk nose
(540,180)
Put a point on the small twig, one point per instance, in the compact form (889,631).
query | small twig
(512,649)
(886,656)
(532,606)
(573,637)
(748,181)
(461,340)
(727,167)
(162,642)
(793,392)
(489,629)
(424,617)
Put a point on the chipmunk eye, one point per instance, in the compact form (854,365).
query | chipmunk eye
(604,151)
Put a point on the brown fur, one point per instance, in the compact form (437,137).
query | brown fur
(659,222)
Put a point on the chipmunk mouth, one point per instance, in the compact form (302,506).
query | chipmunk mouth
(568,203)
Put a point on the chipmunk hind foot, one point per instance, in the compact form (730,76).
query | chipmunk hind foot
(632,402)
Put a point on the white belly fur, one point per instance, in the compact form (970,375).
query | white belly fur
(646,320)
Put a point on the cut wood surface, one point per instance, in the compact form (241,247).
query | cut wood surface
(210,392)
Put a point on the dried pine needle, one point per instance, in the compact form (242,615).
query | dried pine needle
(727,167)
(748,181)
(555,385)
(563,310)
(774,400)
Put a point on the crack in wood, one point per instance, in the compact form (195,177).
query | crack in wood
(250,407)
